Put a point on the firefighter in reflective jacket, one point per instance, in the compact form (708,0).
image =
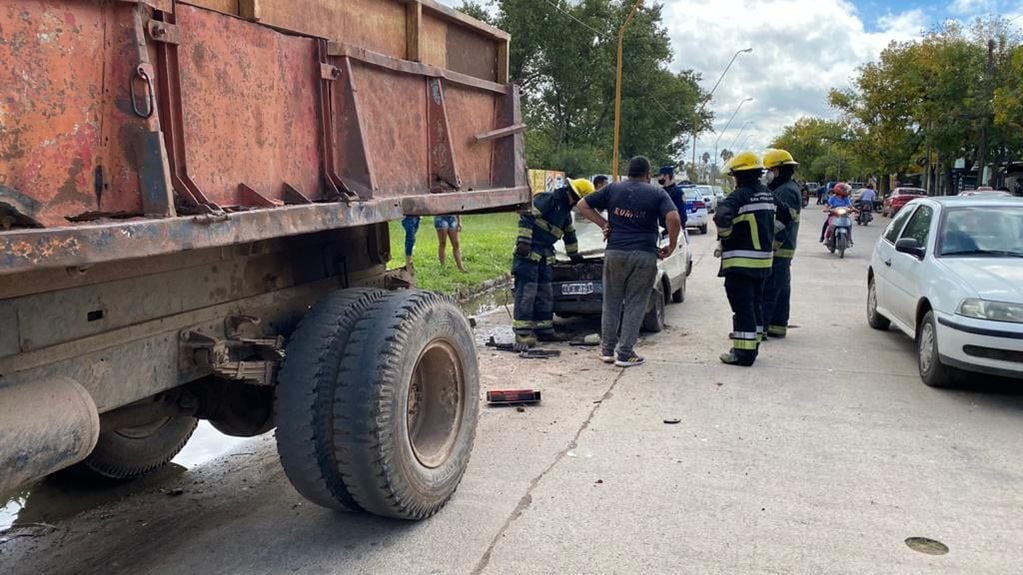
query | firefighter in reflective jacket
(746,227)
(549,220)
(780,168)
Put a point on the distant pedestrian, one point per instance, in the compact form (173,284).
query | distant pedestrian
(1019,186)
(411,226)
(599,181)
(449,228)
(634,208)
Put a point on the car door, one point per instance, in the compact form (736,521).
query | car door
(674,266)
(906,268)
(883,260)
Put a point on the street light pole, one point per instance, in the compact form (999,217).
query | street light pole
(737,108)
(618,89)
(696,117)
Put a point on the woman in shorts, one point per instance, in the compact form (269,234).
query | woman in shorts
(449,228)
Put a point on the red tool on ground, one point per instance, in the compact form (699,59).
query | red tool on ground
(512,396)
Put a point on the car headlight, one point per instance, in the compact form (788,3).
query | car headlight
(992,310)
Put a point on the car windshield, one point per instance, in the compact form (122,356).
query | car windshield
(693,193)
(995,231)
(910,192)
(705,190)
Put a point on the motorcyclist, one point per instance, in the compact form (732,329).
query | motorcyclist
(838,199)
(867,199)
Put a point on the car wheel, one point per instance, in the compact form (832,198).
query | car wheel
(874,318)
(654,319)
(679,295)
(932,371)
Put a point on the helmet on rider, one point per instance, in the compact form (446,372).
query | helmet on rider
(841,189)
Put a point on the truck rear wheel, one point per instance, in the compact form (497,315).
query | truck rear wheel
(135,451)
(397,430)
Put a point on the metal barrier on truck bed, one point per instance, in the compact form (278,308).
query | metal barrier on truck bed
(136,128)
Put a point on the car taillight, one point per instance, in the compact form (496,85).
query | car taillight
(699,205)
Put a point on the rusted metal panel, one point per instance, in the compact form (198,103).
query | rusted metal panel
(23,250)
(249,102)
(465,201)
(225,6)
(395,106)
(509,167)
(444,172)
(471,112)
(51,109)
(404,66)
(373,24)
(459,49)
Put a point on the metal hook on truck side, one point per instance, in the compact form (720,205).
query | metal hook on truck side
(140,72)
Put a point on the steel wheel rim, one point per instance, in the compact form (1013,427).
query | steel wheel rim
(436,400)
(926,347)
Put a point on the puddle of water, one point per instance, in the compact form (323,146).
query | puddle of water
(488,301)
(64,495)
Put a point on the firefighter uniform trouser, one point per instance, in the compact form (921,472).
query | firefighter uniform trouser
(745,296)
(777,292)
(534,297)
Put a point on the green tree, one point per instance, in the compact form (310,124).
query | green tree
(563,55)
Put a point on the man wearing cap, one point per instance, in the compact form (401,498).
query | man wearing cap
(745,221)
(548,220)
(634,207)
(781,166)
(666,178)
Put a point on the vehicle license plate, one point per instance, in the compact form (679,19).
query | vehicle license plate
(577,288)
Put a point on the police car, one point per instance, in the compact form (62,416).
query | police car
(696,207)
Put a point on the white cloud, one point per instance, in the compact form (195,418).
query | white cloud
(966,6)
(801,49)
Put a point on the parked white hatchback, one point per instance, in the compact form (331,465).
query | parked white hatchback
(949,273)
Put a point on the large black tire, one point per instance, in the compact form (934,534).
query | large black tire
(401,421)
(653,321)
(306,391)
(679,295)
(133,452)
(874,318)
(932,371)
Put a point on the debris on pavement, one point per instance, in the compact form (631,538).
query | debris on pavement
(672,421)
(520,409)
(590,340)
(526,354)
(513,396)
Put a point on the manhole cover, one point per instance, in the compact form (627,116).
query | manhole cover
(928,546)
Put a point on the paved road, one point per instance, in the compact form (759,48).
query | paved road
(823,458)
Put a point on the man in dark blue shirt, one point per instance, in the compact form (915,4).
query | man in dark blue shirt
(634,208)
(666,177)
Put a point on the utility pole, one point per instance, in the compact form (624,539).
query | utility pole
(618,89)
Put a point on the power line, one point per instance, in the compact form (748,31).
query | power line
(583,24)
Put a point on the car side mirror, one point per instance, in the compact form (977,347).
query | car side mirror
(910,246)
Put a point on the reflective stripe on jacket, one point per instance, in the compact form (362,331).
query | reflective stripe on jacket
(745,222)
(549,220)
(789,198)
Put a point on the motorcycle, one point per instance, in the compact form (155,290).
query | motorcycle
(865,215)
(839,236)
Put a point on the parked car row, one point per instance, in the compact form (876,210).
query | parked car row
(948,272)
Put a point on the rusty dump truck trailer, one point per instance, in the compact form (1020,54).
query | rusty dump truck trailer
(194,198)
